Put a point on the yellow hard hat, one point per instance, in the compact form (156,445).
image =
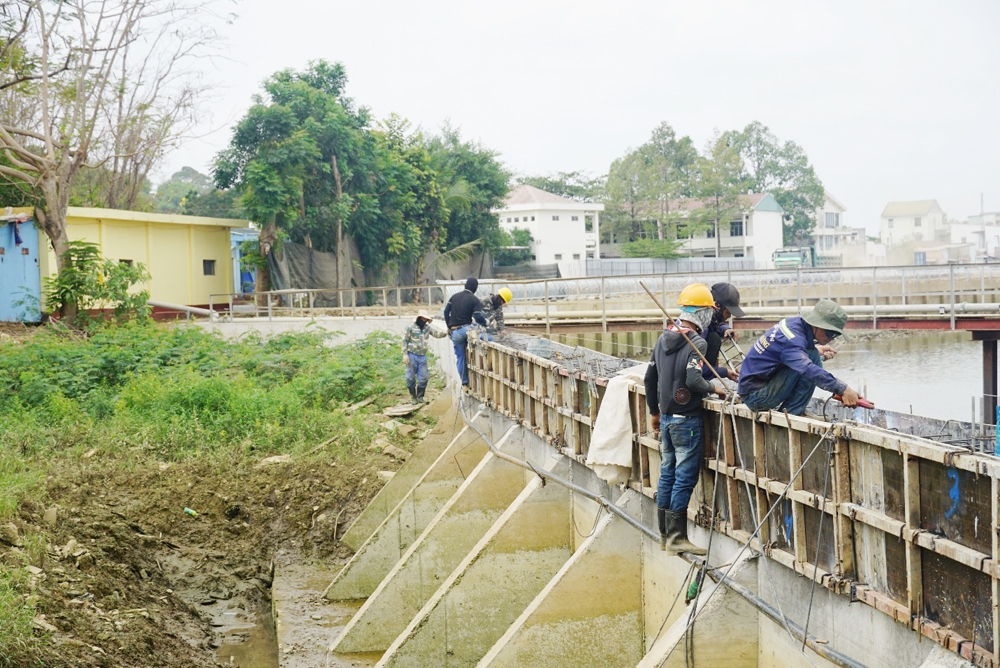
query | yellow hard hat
(696,294)
(506,294)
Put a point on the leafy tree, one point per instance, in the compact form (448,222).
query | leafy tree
(474,184)
(782,169)
(577,186)
(665,248)
(670,172)
(626,202)
(516,248)
(171,193)
(89,282)
(101,84)
(719,187)
(213,204)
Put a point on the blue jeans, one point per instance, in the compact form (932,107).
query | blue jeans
(786,389)
(417,369)
(681,449)
(459,337)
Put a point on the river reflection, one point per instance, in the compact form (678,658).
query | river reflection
(935,374)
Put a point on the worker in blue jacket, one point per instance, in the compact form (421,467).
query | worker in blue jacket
(785,366)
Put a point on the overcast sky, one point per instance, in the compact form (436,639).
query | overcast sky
(890,100)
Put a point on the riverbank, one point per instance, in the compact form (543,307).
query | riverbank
(149,475)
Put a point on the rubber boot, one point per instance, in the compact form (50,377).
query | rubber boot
(413,392)
(677,540)
(661,519)
(420,393)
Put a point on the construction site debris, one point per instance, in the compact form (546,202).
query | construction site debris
(361,404)
(276,459)
(398,453)
(386,476)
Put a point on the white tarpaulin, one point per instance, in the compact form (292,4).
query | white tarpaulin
(610,453)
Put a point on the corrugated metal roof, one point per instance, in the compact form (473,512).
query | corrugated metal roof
(920,207)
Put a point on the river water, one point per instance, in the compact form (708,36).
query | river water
(934,374)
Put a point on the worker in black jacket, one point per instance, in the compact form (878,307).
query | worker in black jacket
(674,390)
(461,310)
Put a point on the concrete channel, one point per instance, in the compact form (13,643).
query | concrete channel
(466,559)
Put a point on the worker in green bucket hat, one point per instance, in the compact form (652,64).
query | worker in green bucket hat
(785,366)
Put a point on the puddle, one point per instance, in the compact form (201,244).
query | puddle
(252,646)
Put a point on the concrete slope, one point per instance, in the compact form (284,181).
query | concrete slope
(590,613)
(423,457)
(376,557)
(460,524)
(495,582)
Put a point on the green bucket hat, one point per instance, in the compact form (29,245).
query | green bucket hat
(827,314)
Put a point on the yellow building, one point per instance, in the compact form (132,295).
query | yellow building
(188,257)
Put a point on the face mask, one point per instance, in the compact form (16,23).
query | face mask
(702,318)
(421,323)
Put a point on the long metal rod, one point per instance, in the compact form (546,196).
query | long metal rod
(715,573)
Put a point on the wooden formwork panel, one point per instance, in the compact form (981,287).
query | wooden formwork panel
(909,526)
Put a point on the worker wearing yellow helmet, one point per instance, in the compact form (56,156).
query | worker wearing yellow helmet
(493,310)
(675,387)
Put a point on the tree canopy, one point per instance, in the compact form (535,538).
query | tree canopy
(307,160)
(645,186)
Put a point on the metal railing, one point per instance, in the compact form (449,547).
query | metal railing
(872,291)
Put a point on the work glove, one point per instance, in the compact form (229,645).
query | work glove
(406,359)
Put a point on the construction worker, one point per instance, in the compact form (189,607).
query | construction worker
(493,310)
(461,310)
(727,305)
(674,390)
(415,354)
(784,366)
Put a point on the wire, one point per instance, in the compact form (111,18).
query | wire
(819,540)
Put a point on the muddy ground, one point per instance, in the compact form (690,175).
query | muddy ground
(123,576)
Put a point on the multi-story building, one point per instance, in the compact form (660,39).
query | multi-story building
(563,231)
(755,232)
(838,245)
(906,222)
(982,230)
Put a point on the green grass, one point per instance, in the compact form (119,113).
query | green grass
(178,392)
(15,615)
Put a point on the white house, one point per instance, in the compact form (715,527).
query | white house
(983,230)
(563,231)
(907,222)
(831,229)
(755,233)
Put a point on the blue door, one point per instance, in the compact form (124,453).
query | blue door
(20,281)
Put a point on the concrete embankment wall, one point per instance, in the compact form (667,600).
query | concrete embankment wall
(514,572)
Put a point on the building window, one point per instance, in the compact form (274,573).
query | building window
(127,263)
(508,219)
(590,255)
(832,219)
(555,217)
(574,218)
(517,220)
(532,258)
(737,254)
(920,258)
(576,256)
(916,222)
(532,219)
(208,267)
(588,223)
(890,223)
(736,228)
(710,234)
(558,256)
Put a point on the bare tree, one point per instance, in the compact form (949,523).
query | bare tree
(109,84)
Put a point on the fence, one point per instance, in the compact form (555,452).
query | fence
(872,291)
(872,509)
(644,266)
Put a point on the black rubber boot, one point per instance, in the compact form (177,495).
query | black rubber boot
(677,540)
(413,392)
(420,393)
(661,519)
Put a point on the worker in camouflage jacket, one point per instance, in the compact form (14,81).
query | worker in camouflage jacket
(493,310)
(415,354)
